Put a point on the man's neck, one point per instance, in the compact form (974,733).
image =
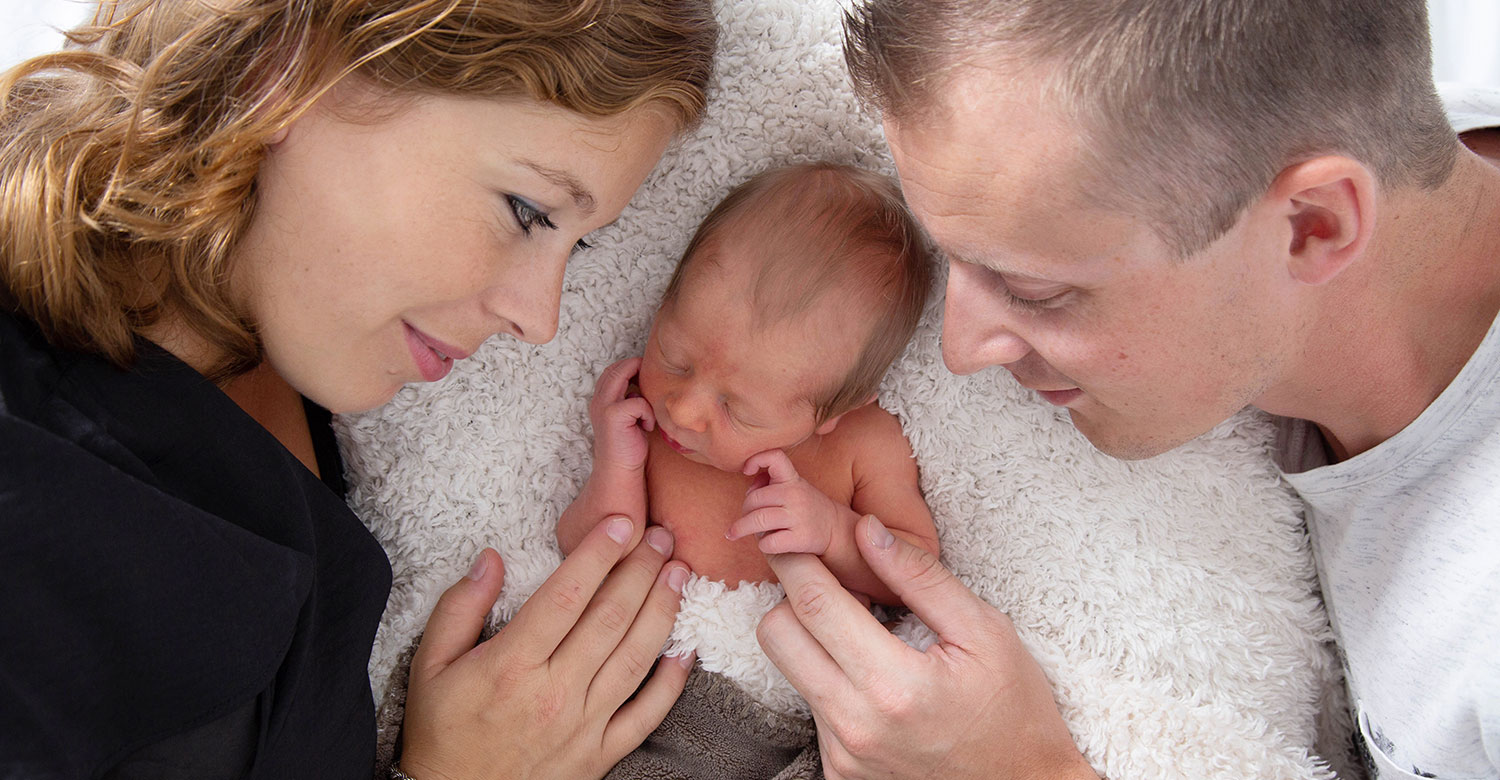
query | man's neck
(1400,324)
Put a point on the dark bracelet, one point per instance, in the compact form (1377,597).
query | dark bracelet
(397,774)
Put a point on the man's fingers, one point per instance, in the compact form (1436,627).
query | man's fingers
(836,620)
(776,464)
(758,521)
(552,611)
(637,719)
(806,664)
(459,615)
(922,583)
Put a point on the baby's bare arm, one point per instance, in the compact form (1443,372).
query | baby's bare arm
(617,483)
(608,491)
(885,485)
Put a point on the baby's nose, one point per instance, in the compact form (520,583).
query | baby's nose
(689,411)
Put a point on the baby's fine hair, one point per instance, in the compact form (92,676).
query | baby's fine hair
(817,228)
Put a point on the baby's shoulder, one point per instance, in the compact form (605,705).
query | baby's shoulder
(869,428)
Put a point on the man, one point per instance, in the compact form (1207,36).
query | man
(1157,213)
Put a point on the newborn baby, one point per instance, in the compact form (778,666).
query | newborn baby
(755,428)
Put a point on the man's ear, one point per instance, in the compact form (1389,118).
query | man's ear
(827,426)
(1329,203)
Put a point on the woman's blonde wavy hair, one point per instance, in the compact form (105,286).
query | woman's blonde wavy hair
(128,170)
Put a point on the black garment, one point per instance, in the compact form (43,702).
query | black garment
(179,596)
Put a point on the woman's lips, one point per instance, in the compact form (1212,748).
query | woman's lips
(432,363)
(671,442)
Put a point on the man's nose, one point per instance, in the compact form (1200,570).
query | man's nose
(976,324)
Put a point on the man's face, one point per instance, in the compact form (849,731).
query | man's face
(1088,307)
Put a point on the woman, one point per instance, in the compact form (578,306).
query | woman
(221,220)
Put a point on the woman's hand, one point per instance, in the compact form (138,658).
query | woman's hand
(975,705)
(546,697)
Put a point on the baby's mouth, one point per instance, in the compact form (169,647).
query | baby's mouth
(671,442)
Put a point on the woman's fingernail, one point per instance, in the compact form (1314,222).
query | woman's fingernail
(660,540)
(481,565)
(620,529)
(676,578)
(686,659)
(877,534)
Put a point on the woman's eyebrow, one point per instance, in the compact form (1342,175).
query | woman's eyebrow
(580,194)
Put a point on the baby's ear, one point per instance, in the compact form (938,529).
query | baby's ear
(827,426)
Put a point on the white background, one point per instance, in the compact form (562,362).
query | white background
(1466,34)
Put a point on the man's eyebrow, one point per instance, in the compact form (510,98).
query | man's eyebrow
(580,194)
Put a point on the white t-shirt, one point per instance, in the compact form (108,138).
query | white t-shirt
(1407,542)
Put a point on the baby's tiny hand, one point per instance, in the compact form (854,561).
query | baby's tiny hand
(789,513)
(620,418)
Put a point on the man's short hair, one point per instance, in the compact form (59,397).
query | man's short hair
(823,228)
(1188,108)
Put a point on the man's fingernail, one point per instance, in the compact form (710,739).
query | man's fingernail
(676,578)
(877,534)
(660,540)
(481,565)
(620,529)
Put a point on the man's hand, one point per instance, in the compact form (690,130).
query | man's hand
(620,418)
(789,513)
(974,705)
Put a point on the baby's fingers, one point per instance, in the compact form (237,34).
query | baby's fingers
(613,382)
(627,412)
(789,540)
(776,464)
(758,522)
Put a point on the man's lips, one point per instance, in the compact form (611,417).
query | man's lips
(671,442)
(434,358)
(1060,397)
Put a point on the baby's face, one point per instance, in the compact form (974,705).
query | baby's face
(720,391)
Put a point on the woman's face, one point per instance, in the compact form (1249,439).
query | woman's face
(384,248)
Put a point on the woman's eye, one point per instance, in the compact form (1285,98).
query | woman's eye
(529,216)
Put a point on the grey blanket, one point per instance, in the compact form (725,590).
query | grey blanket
(713,732)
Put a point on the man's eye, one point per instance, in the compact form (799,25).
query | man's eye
(1034,304)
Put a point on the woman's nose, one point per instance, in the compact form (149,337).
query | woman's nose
(528,301)
(977,330)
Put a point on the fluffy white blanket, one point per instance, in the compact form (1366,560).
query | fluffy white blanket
(1172,602)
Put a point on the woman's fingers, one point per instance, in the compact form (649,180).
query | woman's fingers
(635,721)
(622,672)
(554,609)
(614,610)
(459,615)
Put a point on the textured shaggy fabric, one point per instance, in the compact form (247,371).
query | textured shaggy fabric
(1171,602)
